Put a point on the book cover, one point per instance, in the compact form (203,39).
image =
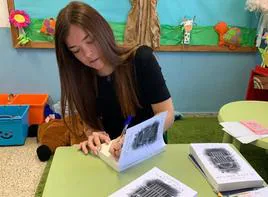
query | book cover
(141,142)
(155,183)
(224,168)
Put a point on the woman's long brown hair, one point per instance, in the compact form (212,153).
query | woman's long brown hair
(79,82)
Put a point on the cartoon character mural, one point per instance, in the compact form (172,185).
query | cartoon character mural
(187,28)
(48,26)
(264,52)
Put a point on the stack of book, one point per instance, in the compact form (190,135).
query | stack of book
(223,167)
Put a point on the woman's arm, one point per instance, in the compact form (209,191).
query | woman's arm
(166,105)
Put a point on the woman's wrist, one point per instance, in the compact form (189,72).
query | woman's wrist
(87,131)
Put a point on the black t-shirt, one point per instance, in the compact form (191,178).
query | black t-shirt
(151,89)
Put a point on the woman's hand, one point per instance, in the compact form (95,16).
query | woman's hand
(94,141)
(116,146)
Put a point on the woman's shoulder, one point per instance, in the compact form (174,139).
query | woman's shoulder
(143,53)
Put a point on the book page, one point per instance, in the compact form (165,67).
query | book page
(143,140)
(140,143)
(155,183)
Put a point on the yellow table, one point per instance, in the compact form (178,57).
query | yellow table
(245,110)
(74,174)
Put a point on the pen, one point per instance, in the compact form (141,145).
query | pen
(126,124)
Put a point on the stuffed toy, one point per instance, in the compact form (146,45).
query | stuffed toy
(230,37)
(54,134)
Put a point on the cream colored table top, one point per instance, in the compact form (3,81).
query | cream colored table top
(74,174)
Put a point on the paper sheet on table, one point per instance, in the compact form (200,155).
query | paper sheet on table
(241,132)
(236,129)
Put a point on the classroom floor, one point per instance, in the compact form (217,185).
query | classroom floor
(20,169)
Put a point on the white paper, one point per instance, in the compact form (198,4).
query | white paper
(248,139)
(140,143)
(263,192)
(155,183)
(241,132)
(4,14)
(225,168)
(237,129)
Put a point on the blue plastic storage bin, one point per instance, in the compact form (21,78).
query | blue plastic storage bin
(13,124)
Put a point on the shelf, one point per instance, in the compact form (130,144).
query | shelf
(168,48)
(206,49)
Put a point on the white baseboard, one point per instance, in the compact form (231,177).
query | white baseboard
(199,114)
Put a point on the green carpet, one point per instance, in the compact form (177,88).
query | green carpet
(197,130)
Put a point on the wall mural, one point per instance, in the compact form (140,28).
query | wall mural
(191,32)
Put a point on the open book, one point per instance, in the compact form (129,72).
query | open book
(141,142)
(155,183)
(223,167)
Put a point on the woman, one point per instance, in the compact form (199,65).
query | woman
(102,82)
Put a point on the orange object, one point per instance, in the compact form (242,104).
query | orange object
(221,28)
(3,99)
(48,26)
(37,104)
(6,99)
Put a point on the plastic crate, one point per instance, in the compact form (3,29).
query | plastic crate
(37,104)
(13,124)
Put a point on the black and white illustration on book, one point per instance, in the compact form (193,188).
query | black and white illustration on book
(141,142)
(155,183)
(145,136)
(222,159)
(155,188)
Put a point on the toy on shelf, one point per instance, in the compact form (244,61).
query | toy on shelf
(260,6)
(187,25)
(48,27)
(230,37)
(20,19)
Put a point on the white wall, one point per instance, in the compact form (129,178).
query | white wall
(3,14)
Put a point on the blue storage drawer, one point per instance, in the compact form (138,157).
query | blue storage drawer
(13,124)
